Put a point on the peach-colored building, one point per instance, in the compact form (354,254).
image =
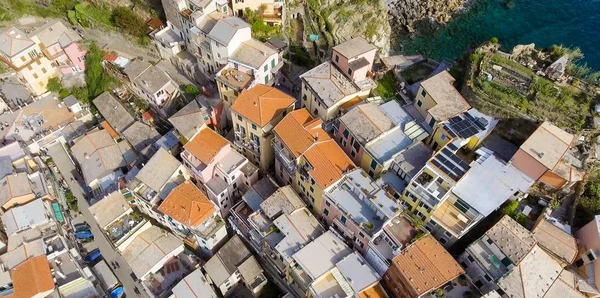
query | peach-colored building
(545,157)
(588,259)
(221,172)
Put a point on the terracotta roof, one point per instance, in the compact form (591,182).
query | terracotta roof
(373,292)
(426,265)
(261,104)
(206,145)
(110,57)
(187,205)
(32,277)
(111,131)
(329,162)
(298,131)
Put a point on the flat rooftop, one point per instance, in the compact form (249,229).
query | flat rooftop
(234,78)
(329,83)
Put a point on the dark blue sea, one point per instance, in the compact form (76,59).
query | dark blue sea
(543,22)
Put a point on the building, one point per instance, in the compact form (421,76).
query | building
(373,135)
(190,214)
(153,183)
(151,83)
(30,215)
(437,100)
(588,242)
(116,218)
(20,188)
(255,113)
(466,130)
(447,193)
(272,12)
(307,158)
(233,264)
(24,55)
(194,285)
(142,138)
(32,278)
(203,110)
(558,243)
(508,261)
(113,112)
(101,160)
(546,157)
(220,171)
(420,269)
(358,207)
(158,259)
(317,258)
(61,45)
(351,277)
(344,79)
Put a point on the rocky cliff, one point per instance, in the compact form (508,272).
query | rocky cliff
(407,12)
(339,20)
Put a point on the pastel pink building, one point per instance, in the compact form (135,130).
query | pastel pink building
(76,57)
(60,44)
(222,173)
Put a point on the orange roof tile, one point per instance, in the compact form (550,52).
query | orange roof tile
(373,292)
(329,162)
(426,265)
(205,145)
(32,277)
(298,131)
(261,104)
(350,103)
(187,205)
(111,131)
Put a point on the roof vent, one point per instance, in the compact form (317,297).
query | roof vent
(541,154)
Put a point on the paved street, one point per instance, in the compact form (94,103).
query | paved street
(68,171)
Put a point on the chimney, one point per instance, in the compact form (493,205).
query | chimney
(541,154)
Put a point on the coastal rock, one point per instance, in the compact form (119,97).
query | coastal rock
(407,12)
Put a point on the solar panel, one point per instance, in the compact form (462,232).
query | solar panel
(452,147)
(450,131)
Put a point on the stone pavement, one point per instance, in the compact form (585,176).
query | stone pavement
(68,171)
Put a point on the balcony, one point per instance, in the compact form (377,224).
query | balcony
(455,217)
(288,163)
(343,229)
(234,78)
(275,69)
(208,229)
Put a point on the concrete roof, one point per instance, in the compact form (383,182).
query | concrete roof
(555,240)
(250,269)
(252,53)
(224,30)
(73,130)
(140,135)
(13,41)
(189,119)
(532,277)
(512,238)
(366,122)
(12,150)
(6,167)
(21,217)
(357,272)
(299,228)
(322,254)
(284,201)
(91,142)
(70,100)
(152,79)
(259,192)
(449,102)
(548,144)
(329,83)
(354,47)
(136,68)
(113,111)
(227,260)
(14,185)
(149,248)
(489,183)
(414,158)
(55,32)
(13,258)
(194,285)
(156,173)
(109,208)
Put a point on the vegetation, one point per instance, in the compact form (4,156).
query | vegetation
(386,87)
(300,57)
(71,201)
(127,20)
(191,90)
(260,30)
(510,208)
(494,40)
(97,79)
(588,205)
(575,68)
(54,85)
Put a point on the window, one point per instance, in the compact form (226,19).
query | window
(423,92)
(266,67)
(343,219)
(487,277)
(431,122)
(33,54)
(316,112)
(344,143)
(272,63)
(312,189)
(355,144)
(239,117)
(43,70)
(470,258)
(326,212)
(349,71)
(29,67)
(419,103)
(591,256)
(23,58)
(373,164)
(478,283)
(435,145)
(35,75)
(234,185)
(346,133)
(337,58)
(327,203)
(443,137)
(443,240)
(464,265)
(219,55)
(312,181)
(254,126)
(353,153)
(448,234)
(371,173)
(266,79)
(304,97)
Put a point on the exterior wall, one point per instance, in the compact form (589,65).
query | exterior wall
(229,283)
(311,191)
(76,55)
(238,7)
(588,237)
(207,173)
(18,201)
(362,157)
(343,62)
(376,261)
(209,245)
(33,67)
(394,285)
(553,180)
(310,101)
(426,100)
(440,137)
(360,243)
(528,165)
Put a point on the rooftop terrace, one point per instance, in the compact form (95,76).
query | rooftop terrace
(234,78)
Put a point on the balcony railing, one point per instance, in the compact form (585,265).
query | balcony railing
(240,134)
(207,231)
(287,163)
(424,195)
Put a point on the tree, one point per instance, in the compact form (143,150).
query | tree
(54,85)
(494,40)
(96,78)
(126,19)
(510,208)
(191,90)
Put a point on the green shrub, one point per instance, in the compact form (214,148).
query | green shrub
(124,18)
(191,90)
(72,16)
(494,40)
(54,85)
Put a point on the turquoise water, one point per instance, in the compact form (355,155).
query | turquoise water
(543,22)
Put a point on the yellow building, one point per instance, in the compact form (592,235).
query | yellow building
(25,57)
(307,158)
(437,100)
(466,130)
(254,114)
